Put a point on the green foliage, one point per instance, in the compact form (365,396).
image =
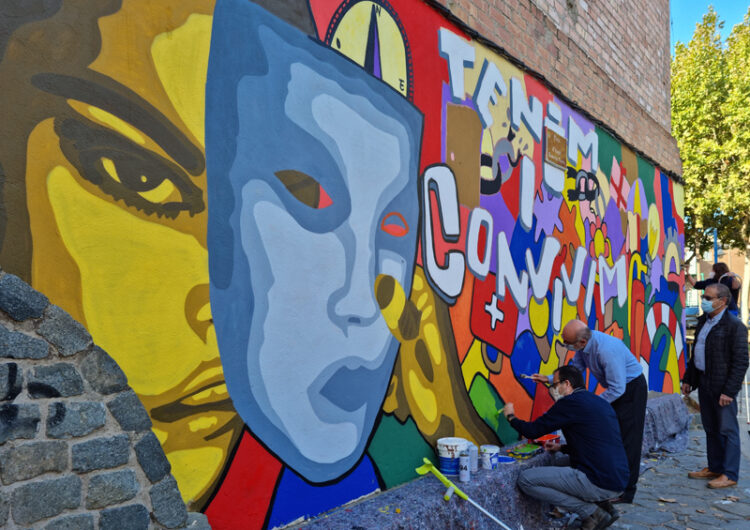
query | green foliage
(711,122)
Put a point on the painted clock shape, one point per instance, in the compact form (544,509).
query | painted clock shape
(369,33)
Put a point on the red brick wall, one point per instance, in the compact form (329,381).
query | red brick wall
(611,57)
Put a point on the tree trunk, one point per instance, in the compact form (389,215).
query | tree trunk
(745,285)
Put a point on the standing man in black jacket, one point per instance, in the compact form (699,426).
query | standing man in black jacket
(717,369)
(596,467)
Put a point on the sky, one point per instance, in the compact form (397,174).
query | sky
(685,14)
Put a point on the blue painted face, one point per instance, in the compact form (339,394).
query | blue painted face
(312,193)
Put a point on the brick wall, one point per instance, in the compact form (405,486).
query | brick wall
(610,57)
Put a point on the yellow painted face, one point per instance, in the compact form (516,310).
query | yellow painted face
(115,184)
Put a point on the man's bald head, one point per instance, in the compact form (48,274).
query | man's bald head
(576,331)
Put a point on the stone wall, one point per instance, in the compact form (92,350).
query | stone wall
(610,57)
(76,447)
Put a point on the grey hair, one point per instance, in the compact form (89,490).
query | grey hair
(722,292)
(584,334)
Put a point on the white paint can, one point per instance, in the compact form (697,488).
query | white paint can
(489,456)
(448,450)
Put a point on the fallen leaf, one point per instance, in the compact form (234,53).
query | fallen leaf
(662,499)
(700,511)
(732,498)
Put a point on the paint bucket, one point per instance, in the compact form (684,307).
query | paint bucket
(448,450)
(474,457)
(489,456)
(464,467)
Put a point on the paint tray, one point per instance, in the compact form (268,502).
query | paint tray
(524,451)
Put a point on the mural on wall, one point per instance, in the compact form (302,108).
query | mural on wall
(319,239)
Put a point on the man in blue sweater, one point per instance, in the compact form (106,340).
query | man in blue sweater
(615,367)
(595,469)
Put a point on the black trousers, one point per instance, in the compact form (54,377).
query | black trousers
(631,414)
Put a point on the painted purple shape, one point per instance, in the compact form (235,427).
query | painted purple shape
(657,270)
(376,69)
(547,214)
(615,230)
(503,221)
(524,322)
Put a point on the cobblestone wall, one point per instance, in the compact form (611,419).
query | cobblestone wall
(76,447)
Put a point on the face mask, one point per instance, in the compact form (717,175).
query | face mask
(711,274)
(707,306)
(554,393)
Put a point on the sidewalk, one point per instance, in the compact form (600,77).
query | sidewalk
(667,498)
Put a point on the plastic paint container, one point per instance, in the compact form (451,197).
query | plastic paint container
(464,467)
(501,460)
(448,450)
(489,456)
(474,457)
(546,438)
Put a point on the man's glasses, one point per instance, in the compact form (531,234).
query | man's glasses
(709,298)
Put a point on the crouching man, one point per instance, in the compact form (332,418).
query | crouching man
(594,468)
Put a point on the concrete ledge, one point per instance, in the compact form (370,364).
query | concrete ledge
(420,503)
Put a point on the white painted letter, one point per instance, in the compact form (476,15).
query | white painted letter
(479,267)
(572,282)
(506,273)
(587,145)
(447,281)
(459,55)
(541,274)
(616,274)
(529,111)
(526,192)
(490,80)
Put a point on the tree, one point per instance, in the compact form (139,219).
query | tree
(711,123)
(698,95)
(736,110)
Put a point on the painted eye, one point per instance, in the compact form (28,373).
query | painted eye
(395,225)
(304,188)
(128,172)
(153,189)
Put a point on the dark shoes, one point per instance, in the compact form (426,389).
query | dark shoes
(721,481)
(597,520)
(703,473)
(610,509)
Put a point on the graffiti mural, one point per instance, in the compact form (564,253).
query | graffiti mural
(319,235)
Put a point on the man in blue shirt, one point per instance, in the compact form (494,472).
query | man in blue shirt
(717,369)
(595,468)
(615,367)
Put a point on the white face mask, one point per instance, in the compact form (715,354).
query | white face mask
(554,393)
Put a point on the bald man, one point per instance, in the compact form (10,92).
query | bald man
(617,370)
